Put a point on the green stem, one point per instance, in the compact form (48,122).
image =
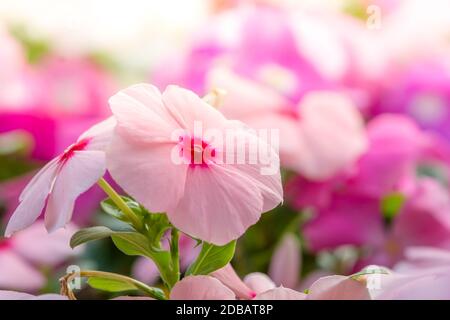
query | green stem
(174,251)
(117,199)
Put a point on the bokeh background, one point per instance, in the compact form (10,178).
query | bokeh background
(60,61)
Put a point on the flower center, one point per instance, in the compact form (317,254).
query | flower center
(70,151)
(196,151)
(5,244)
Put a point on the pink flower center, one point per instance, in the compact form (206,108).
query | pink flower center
(196,151)
(5,244)
(70,151)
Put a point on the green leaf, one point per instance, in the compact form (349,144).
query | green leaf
(135,244)
(89,234)
(110,285)
(116,283)
(132,243)
(211,258)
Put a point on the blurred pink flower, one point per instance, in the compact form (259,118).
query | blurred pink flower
(319,137)
(421,90)
(62,180)
(423,274)
(210,199)
(66,97)
(22,256)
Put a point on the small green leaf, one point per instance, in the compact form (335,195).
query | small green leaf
(116,283)
(132,243)
(89,234)
(136,244)
(211,258)
(110,285)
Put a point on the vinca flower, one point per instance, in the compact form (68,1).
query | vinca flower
(159,157)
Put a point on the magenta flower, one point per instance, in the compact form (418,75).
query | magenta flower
(156,152)
(56,186)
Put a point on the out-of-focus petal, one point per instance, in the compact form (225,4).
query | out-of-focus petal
(285,265)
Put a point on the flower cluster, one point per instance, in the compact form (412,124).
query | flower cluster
(293,152)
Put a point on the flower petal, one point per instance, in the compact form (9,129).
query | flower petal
(228,277)
(75,177)
(16,273)
(141,114)
(186,108)
(148,175)
(338,288)
(281,293)
(285,264)
(201,288)
(33,199)
(218,205)
(259,282)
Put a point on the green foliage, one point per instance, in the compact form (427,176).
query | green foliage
(211,258)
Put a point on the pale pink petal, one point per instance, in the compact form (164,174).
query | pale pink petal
(333,135)
(16,273)
(261,108)
(259,282)
(244,99)
(264,172)
(76,176)
(311,278)
(33,199)
(141,114)
(228,277)
(100,135)
(200,288)
(186,108)
(281,293)
(149,175)
(218,205)
(284,268)
(42,248)
(338,288)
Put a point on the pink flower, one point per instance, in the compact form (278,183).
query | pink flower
(201,288)
(319,137)
(56,186)
(159,158)
(259,286)
(22,255)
